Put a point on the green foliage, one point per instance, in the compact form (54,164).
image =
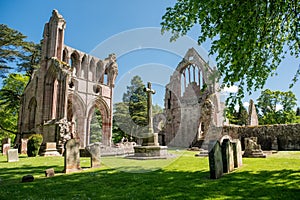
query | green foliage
(33,145)
(268,103)
(130,116)
(10,99)
(96,127)
(14,49)
(239,117)
(274,177)
(248,37)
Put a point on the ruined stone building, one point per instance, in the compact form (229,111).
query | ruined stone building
(192,102)
(64,92)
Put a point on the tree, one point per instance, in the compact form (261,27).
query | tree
(10,98)
(14,49)
(276,107)
(248,37)
(239,117)
(130,116)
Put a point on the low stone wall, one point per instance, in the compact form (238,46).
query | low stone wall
(270,137)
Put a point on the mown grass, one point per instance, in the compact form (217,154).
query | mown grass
(184,177)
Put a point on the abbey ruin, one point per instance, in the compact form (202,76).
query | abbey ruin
(64,92)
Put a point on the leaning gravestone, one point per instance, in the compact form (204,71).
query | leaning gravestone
(215,160)
(12,155)
(94,150)
(237,153)
(72,156)
(227,156)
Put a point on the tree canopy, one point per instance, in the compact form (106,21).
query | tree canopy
(14,49)
(130,116)
(10,99)
(249,38)
(276,107)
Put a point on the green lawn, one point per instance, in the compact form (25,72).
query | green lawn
(184,177)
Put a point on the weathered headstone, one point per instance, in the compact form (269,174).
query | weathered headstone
(50,149)
(94,150)
(49,172)
(12,155)
(237,153)
(227,156)
(72,156)
(24,145)
(5,145)
(252,149)
(215,160)
(5,148)
(27,178)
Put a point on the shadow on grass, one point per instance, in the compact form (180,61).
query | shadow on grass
(160,184)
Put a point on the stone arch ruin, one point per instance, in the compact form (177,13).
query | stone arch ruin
(62,93)
(192,102)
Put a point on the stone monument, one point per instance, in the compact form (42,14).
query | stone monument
(252,149)
(150,147)
(95,154)
(12,155)
(72,156)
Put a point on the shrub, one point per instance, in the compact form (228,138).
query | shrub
(33,145)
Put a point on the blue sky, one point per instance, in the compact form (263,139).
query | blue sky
(94,24)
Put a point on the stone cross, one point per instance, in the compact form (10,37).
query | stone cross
(149,91)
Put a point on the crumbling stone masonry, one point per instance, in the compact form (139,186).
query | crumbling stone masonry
(192,102)
(64,92)
(270,137)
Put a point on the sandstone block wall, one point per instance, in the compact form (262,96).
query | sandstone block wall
(270,137)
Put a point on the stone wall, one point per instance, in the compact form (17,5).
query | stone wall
(275,137)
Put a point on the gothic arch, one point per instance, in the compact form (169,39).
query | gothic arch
(102,106)
(75,114)
(84,67)
(92,70)
(75,63)
(32,112)
(65,57)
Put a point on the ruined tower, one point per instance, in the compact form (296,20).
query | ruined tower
(64,92)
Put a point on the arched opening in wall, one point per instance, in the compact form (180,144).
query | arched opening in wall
(74,63)
(105,78)
(99,122)
(84,67)
(32,111)
(65,56)
(95,127)
(99,72)
(92,70)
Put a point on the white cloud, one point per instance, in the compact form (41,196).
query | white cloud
(246,104)
(279,107)
(231,89)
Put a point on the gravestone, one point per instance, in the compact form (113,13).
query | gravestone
(49,172)
(72,156)
(253,118)
(94,150)
(50,149)
(215,160)
(12,155)
(227,156)
(252,149)
(237,153)
(5,145)
(27,178)
(5,148)
(24,145)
